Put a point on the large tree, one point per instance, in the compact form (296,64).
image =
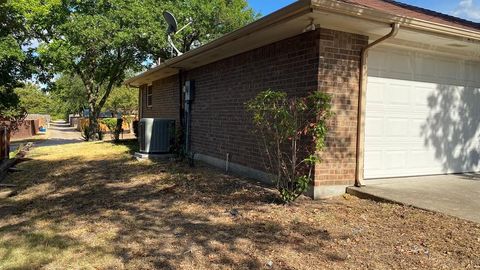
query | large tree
(14,63)
(34,99)
(13,35)
(68,95)
(122,100)
(99,40)
(210,20)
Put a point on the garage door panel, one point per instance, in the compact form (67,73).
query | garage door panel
(415,130)
(449,71)
(377,92)
(375,160)
(399,94)
(419,159)
(422,115)
(472,72)
(425,64)
(402,67)
(376,129)
(421,94)
(379,64)
(396,127)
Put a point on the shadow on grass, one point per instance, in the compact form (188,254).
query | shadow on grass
(174,207)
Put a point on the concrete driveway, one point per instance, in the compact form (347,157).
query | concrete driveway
(61,133)
(456,195)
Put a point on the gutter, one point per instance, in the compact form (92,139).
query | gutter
(373,15)
(303,7)
(360,151)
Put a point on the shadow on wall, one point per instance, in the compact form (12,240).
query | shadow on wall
(452,127)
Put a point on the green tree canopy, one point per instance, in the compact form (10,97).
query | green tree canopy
(14,63)
(210,20)
(122,99)
(13,60)
(34,100)
(10,108)
(99,40)
(69,97)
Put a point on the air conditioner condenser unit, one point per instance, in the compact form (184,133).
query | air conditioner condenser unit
(156,135)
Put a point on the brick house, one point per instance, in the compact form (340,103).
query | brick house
(401,113)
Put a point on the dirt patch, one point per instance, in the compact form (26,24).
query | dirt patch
(90,205)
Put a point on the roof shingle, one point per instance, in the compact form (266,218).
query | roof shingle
(397,8)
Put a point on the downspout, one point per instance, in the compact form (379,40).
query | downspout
(362,104)
(140,102)
(180,99)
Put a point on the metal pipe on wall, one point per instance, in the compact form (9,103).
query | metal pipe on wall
(360,151)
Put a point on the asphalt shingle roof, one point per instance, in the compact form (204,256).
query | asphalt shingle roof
(397,8)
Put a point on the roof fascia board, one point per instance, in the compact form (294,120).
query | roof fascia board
(387,18)
(302,7)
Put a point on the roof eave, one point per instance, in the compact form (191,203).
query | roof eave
(388,18)
(298,7)
(331,6)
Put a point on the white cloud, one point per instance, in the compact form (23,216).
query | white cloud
(468,9)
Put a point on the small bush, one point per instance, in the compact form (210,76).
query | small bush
(178,144)
(292,131)
(114,125)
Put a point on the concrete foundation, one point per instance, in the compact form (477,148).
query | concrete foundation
(143,156)
(317,192)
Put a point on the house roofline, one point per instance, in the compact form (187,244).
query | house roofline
(303,7)
(375,15)
(300,7)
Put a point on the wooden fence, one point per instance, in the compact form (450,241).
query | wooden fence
(83,122)
(27,129)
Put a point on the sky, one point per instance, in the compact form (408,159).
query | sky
(466,9)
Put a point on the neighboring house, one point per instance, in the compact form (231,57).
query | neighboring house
(419,114)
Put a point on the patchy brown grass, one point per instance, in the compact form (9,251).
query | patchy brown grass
(91,206)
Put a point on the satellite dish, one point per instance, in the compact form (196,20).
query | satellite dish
(171,21)
(173,29)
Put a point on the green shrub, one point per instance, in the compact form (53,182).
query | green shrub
(114,125)
(178,148)
(292,131)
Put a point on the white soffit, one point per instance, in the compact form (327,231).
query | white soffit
(406,37)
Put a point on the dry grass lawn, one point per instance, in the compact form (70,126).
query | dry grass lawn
(91,206)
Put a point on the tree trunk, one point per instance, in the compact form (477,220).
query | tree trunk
(93,123)
(93,127)
(4,144)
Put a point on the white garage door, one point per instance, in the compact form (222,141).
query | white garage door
(422,114)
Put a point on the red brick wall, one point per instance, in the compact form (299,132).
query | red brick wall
(323,60)
(338,75)
(220,124)
(165,100)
